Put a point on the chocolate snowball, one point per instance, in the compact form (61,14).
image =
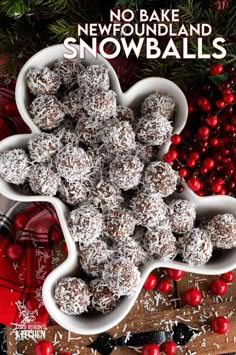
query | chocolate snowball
(124,114)
(43,147)
(41,81)
(14,166)
(106,195)
(72,296)
(182,215)
(158,103)
(100,104)
(119,223)
(119,137)
(222,231)
(73,103)
(74,192)
(93,77)
(131,250)
(44,179)
(102,300)
(68,71)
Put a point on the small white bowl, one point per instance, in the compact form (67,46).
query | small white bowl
(206,206)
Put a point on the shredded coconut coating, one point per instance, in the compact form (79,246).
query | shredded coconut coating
(196,247)
(88,130)
(159,177)
(68,71)
(42,81)
(72,296)
(43,147)
(121,276)
(73,103)
(144,152)
(93,257)
(100,156)
(85,224)
(222,231)
(124,114)
(74,192)
(119,223)
(131,250)
(106,195)
(163,104)
(100,104)
(126,171)
(119,137)
(103,300)
(93,77)
(153,129)
(160,243)
(44,180)
(14,166)
(72,163)
(182,215)
(67,136)
(149,210)
(46,112)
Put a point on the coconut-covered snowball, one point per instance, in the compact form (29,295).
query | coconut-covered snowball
(14,166)
(153,129)
(119,137)
(88,130)
(67,136)
(93,257)
(222,231)
(160,243)
(122,277)
(103,300)
(100,104)
(72,296)
(163,104)
(124,114)
(144,152)
(42,81)
(119,223)
(149,210)
(73,103)
(131,250)
(72,163)
(85,224)
(43,147)
(126,171)
(182,215)
(44,180)
(106,195)
(68,71)
(159,177)
(74,192)
(93,77)
(46,112)
(196,247)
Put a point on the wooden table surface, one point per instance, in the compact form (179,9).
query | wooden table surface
(152,311)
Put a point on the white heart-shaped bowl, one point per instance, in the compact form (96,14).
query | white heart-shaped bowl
(206,206)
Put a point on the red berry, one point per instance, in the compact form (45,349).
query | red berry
(217,68)
(203,131)
(233,119)
(176,139)
(219,181)
(203,170)
(208,163)
(212,121)
(169,347)
(190,108)
(10,109)
(150,282)
(14,252)
(216,188)
(220,103)
(56,234)
(194,155)
(20,220)
(226,91)
(213,141)
(229,98)
(222,191)
(164,285)
(194,184)
(170,156)
(175,274)
(193,297)
(200,193)
(228,277)
(202,101)
(151,349)
(183,172)
(218,287)
(206,107)
(32,304)
(43,347)
(191,162)
(64,353)
(220,325)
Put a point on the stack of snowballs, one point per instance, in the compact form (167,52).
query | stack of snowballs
(99,158)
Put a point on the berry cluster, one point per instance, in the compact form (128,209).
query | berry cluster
(204,153)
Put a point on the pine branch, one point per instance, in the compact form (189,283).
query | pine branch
(62,29)
(13,8)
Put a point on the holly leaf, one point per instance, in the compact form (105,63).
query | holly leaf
(218,79)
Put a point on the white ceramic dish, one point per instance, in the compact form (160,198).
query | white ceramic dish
(207,206)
